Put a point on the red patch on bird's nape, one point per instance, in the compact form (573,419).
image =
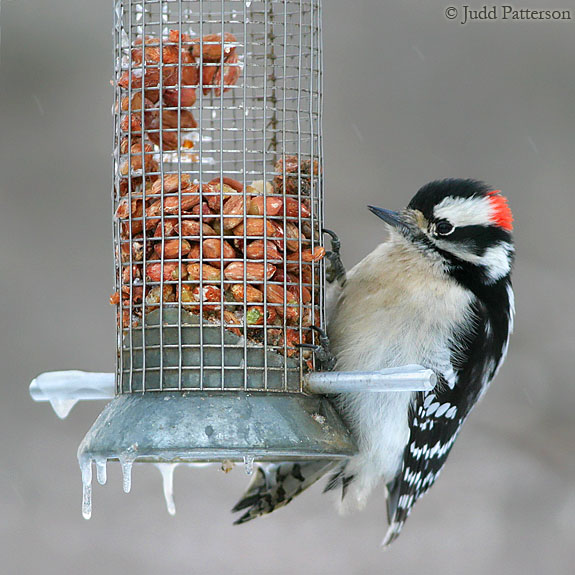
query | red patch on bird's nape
(500,211)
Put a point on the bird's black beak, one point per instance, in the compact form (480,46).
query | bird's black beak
(392,218)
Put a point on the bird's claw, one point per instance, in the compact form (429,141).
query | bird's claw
(336,270)
(322,353)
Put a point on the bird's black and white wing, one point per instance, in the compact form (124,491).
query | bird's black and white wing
(434,424)
(437,416)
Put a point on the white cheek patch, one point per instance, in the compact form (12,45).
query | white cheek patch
(464,211)
(496,260)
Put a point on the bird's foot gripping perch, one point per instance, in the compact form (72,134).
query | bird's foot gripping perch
(336,270)
(321,351)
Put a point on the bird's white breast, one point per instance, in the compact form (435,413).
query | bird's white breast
(397,307)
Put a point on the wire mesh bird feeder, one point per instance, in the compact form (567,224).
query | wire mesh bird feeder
(218,216)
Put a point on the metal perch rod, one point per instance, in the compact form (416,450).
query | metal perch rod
(72,385)
(82,385)
(405,378)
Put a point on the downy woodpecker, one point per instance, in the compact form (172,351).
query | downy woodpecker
(436,293)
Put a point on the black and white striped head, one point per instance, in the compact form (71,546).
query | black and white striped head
(465,223)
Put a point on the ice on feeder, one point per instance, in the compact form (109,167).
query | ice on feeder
(62,407)
(101,472)
(86,469)
(63,389)
(249,464)
(167,471)
(126,462)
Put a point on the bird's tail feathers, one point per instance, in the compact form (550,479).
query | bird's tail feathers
(392,533)
(275,485)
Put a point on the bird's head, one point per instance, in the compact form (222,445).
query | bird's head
(463,223)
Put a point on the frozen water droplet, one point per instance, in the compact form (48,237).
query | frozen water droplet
(249,464)
(247,112)
(87,501)
(214,114)
(101,474)
(86,468)
(126,464)
(248,3)
(62,407)
(167,471)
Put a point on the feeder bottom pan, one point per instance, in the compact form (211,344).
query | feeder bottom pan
(217,426)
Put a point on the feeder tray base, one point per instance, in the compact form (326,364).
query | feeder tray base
(217,426)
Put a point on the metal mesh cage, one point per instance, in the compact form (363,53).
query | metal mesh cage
(217,192)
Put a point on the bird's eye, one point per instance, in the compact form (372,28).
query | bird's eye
(443,228)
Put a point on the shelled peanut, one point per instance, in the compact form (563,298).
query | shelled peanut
(237,256)
(288,181)
(162,80)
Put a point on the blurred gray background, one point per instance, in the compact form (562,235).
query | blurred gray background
(410,96)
